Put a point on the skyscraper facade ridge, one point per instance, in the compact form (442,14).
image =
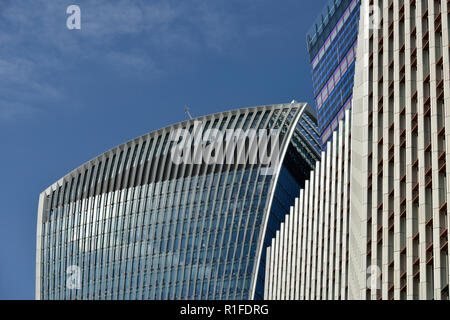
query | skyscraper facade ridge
(308,257)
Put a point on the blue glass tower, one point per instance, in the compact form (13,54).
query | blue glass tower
(332,50)
(135,224)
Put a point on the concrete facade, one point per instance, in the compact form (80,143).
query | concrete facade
(308,258)
(400,148)
(397,174)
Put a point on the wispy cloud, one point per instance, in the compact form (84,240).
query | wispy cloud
(137,36)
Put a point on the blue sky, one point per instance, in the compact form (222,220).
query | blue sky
(67,96)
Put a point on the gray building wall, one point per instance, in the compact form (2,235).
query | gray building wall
(399,188)
(400,149)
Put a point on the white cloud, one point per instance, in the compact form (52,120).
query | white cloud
(137,36)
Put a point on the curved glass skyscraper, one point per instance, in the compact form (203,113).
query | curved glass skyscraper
(185,212)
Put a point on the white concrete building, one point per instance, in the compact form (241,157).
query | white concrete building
(308,259)
(400,148)
(398,180)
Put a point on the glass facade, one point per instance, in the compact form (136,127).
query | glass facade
(332,50)
(135,225)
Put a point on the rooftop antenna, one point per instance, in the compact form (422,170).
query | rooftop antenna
(186,109)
